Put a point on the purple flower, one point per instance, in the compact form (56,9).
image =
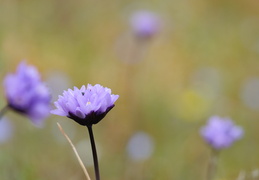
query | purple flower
(86,106)
(221,132)
(145,24)
(27,94)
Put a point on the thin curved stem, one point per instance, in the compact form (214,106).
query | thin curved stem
(95,158)
(75,151)
(3,111)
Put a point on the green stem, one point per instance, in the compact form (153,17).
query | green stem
(212,166)
(95,158)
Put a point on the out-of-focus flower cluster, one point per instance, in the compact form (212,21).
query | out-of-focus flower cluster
(145,24)
(27,94)
(220,132)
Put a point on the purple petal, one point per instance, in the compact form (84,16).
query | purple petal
(79,113)
(58,112)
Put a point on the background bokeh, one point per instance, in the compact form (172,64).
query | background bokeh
(204,61)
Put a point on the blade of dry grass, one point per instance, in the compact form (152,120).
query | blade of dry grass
(75,151)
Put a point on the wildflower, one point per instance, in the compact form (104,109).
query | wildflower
(221,132)
(86,106)
(27,94)
(144,24)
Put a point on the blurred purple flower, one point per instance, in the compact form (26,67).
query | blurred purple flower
(145,24)
(86,106)
(27,94)
(140,146)
(221,132)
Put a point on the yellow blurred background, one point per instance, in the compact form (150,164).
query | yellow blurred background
(204,61)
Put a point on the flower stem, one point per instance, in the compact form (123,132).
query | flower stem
(212,166)
(95,158)
(3,111)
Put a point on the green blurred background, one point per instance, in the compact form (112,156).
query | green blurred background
(204,61)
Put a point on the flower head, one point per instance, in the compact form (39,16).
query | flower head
(221,132)
(27,94)
(86,106)
(144,24)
